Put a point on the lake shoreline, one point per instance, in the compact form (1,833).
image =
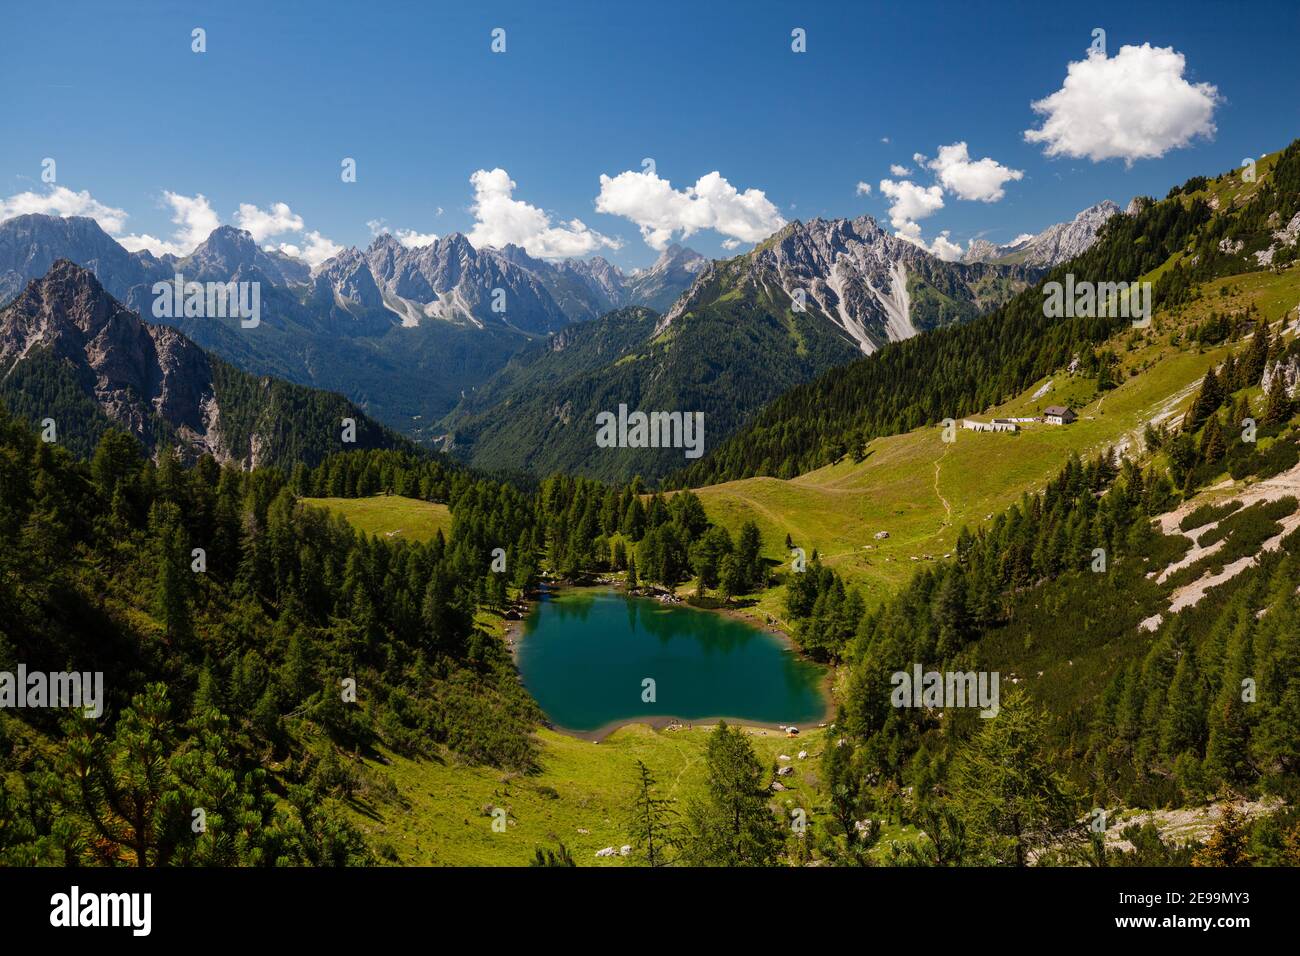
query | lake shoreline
(664,723)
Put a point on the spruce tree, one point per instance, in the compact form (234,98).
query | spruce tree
(1228,844)
(1212,443)
(650,827)
(732,824)
(1278,409)
(1013,803)
(1207,402)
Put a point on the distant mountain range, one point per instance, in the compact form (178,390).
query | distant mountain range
(448,343)
(1052,246)
(72,354)
(587,289)
(401,331)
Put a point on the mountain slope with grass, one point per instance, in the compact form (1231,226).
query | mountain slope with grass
(1205,230)
(921,491)
(810,298)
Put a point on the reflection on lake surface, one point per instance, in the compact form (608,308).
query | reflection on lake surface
(586,651)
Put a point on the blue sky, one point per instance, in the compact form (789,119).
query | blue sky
(415,95)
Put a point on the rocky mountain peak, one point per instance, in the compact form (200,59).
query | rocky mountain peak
(678,257)
(229,253)
(67,297)
(385,241)
(348,277)
(859,277)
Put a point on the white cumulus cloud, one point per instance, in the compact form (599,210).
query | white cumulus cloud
(262,224)
(945,248)
(1135,105)
(942,247)
(194,218)
(62,201)
(980,179)
(897,169)
(409,238)
(909,202)
(501,219)
(414,240)
(317,249)
(660,211)
(864,189)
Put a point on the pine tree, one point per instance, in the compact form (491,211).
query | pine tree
(1228,751)
(634,520)
(124,787)
(1251,369)
(732,576)
(844,785)
(748,547)
(1182,723)
(172,586)
(545,856)
(952,615)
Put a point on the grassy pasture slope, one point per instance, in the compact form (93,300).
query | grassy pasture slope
(442,814)
(922,490)
(391,516)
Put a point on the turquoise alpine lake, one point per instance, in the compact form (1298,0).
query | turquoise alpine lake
(586,654)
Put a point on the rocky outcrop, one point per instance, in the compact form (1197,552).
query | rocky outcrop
(70,351)
(1283,238)
(139,375)
(1289,369)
